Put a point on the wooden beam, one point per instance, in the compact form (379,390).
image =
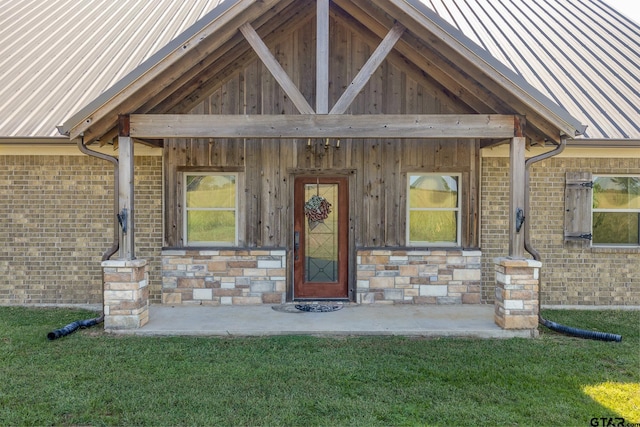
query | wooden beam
(322,57)
(276,69)
(322,126)
(197,84)
(188,90)
(460,84)
(367,70)
(429,85)
(516,195)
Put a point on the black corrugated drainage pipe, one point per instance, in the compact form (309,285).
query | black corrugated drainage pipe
(567,330)
(72,327)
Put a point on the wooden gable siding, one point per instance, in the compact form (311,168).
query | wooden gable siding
(377,167)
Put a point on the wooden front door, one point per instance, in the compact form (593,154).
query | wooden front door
(321,244)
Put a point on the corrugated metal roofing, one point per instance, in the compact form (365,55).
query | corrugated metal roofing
(57,56)
(582,54)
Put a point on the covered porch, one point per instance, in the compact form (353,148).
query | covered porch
(231,120)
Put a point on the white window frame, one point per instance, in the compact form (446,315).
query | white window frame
(594,210)
(458,211)
(186,209)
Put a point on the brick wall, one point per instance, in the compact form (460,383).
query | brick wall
(56,221)
(569,275)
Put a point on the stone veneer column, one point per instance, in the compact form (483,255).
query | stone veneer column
(126,293)
(516,303)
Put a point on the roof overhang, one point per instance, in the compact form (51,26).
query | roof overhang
(605,143)
(115,96)
(133,92)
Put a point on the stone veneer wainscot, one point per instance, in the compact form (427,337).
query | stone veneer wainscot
(419,276)
(226,276)
(241,277)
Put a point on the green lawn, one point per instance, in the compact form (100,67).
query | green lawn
(92,378)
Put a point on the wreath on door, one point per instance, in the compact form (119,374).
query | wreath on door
(317,209)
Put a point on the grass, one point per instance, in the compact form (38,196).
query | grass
(93,378)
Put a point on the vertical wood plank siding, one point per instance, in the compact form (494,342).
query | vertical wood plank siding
(380,165)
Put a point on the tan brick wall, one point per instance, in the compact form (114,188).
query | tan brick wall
(569,275)
(148,217)
(55,224)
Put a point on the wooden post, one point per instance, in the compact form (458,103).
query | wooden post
(322,57)
(125,202)
(516,189)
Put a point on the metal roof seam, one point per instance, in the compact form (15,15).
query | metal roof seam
(601,86)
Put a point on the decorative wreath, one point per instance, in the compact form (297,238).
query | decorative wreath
(317,209)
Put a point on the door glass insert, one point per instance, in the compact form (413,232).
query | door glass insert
(321,243)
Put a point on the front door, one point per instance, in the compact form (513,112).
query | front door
(321,238)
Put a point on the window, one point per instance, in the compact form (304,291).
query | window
(210,209)
(433,210)
(616,210)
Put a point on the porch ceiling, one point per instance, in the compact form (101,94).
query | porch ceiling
(197,62)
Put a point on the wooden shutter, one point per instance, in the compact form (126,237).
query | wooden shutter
(577,204)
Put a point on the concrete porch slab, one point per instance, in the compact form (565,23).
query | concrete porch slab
(263,320)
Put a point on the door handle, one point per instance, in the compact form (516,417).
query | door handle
(296,244)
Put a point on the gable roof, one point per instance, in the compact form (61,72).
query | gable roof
(35,96)
(474,76)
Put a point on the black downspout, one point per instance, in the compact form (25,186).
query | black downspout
(72,327)
(567,330)
(116,194)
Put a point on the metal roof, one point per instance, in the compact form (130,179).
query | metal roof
(58,56)
(582,54)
